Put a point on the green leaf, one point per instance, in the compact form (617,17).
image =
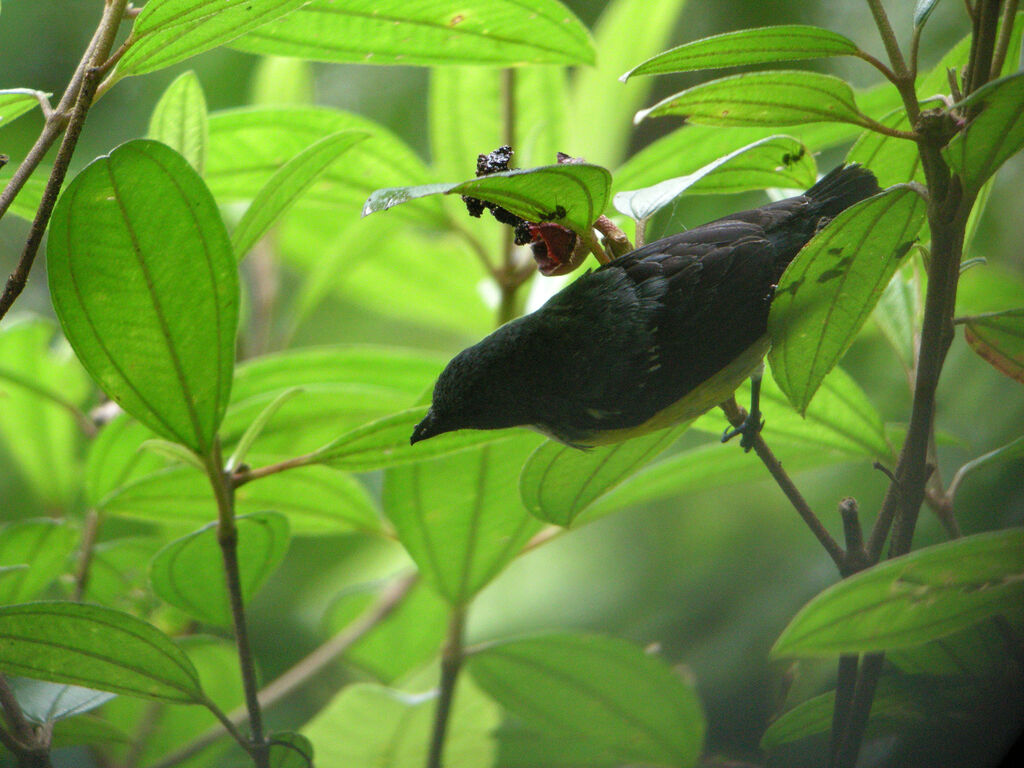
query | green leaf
(42,702)
(777,161)
(172,30)
(892,160)
(216,661)
(290,750)
(369,725)
(278,81)
(97,648)
(999,338)
(189,573)
(287,184)
(993,136)
(43,394)
(119,573)
(762,45)
(1012,450)
(559,482)
(702,468)
(833,284)
(459,516)
(571,194)
(385,443)
(88,729)
(247,146)
(406,639)
(114,458)
(912,599)
(625,31)
(258,425)
(923,10)
(344,387)
(15,102)
(145,284)
(840,418)
(814,716)
(502,32)
(27,201)
(602,689)
(899,312)
(762,98)
(174,452)
(179,119)
(43,547)
(316,500)
(466,111)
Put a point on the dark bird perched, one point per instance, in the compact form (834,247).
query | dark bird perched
(654,337)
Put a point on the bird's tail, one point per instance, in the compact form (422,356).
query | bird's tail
(842,187)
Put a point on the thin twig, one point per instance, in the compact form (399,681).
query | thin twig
(80,92)
(982,54)
(227,538)
(85,553)
(860,708)
(246,475)
(451,663)
(305,670)
(879,65)
(1003,44)
(736,416)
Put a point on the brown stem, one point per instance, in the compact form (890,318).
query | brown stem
(80,92)
(736,416)
(860,708)
(31,744)
(227,538)
(983,45)
(85,553)
(846,684)
(451,663)
(305,670)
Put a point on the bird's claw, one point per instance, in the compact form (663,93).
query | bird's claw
(749,430)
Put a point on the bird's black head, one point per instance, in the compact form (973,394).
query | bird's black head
(481,388)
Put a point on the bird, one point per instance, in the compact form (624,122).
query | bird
(650,339)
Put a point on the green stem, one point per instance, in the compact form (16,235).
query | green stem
(227,538)
(451,663)
(1005,33)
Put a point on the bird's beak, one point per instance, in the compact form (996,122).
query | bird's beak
(426,428)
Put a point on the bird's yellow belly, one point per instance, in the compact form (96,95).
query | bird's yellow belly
(703,398)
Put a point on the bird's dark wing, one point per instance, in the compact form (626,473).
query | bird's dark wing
(642,331)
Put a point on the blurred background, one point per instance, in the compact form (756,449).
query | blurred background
(713,577)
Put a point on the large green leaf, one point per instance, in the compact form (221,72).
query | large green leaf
(96,648)
(570,194)
(999,338)
(316,500)
(43,391)
(287,184)
(247,146)
(625,31)
(763,98)
(993,136)
(115,457)
(180,121)
(833,284)
(605,690)
(189,573)
(369,725)
(156,732)
(25,205)
(405,640)
(559,482)
(913,599)
(43,547)
(168,31)
(145,284)
(893,160)
(15,102)
(777,161)
(762,45)
(385,443)
(504,32)
(459,516)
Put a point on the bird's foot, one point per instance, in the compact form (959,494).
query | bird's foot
(749,429)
